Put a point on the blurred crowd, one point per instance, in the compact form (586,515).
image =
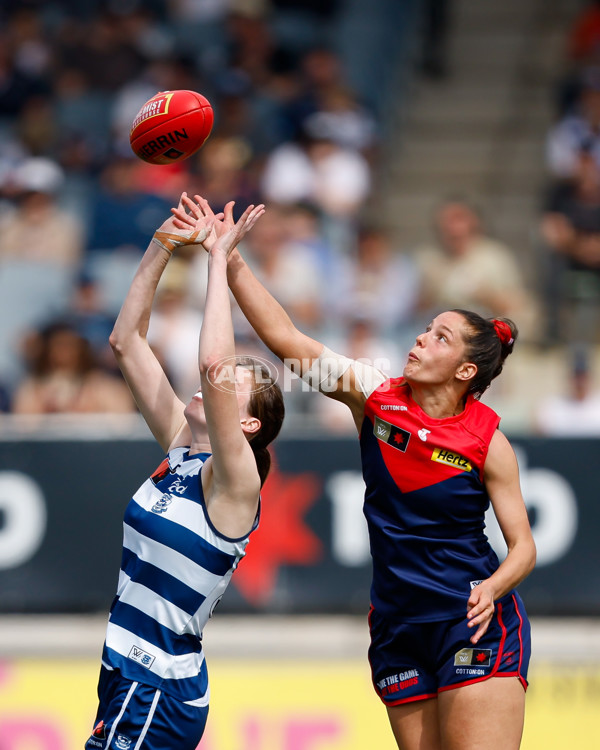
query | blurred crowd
(77,209)
(570,230)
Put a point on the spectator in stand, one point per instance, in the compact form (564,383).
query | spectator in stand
(53,235)
(582,50)
(381,284)
(64,378)
(583,43)
(570,231)
(122,214)
(578,127)
(316,169)
(289,269)
(19,80)
(224,172)
(467,268)
(82,118)
(320,73)
(576,412)
(101,48)
(87,314)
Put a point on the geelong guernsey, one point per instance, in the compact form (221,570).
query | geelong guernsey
(174,570)
(425,503)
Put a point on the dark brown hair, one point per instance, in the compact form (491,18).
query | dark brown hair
(266,404)
(485,348)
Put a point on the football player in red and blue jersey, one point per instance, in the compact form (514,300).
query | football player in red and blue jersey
(450,639)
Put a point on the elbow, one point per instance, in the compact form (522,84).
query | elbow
(119,341)
(217,369)
(116,342)
(533,556)
(208,363)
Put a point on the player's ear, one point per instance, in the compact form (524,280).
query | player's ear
(250,425)
(466,371)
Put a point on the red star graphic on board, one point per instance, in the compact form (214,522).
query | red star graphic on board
(282,537)
(398,438)
(481,657)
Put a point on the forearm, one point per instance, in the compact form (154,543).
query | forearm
(517,565)
(217,336)
(134,316)
(264,313)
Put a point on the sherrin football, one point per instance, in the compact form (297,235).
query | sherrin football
(171,126)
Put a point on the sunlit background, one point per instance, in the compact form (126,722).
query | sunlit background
(414,155)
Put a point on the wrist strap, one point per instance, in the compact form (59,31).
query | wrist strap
(169,240)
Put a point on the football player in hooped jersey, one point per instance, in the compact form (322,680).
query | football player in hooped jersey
(450,640)
(188,525)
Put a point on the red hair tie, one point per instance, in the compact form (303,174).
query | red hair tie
(503,332)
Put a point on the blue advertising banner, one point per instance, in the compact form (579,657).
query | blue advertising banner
(62,502)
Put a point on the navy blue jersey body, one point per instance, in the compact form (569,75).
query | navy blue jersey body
(425,503)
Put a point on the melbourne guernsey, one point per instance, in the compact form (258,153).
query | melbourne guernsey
(425,503)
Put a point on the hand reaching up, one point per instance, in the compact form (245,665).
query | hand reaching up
(197,214)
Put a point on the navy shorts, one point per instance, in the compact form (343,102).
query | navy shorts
(415,661)
(134,716)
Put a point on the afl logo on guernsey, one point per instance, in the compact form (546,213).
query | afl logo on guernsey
(444,456)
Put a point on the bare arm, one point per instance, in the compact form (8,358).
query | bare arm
(501,476)
(268,318)
(154,395)
(232,498)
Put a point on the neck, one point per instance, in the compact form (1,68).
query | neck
(437,402)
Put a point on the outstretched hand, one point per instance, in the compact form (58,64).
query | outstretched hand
(172,234)
(231,235)
(197,213)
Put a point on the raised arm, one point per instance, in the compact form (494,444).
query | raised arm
(232,498)
(269,319)
(154,395)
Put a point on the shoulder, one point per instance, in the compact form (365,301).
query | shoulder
(501,455)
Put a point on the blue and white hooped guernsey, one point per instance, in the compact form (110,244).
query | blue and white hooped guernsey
(174,570)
